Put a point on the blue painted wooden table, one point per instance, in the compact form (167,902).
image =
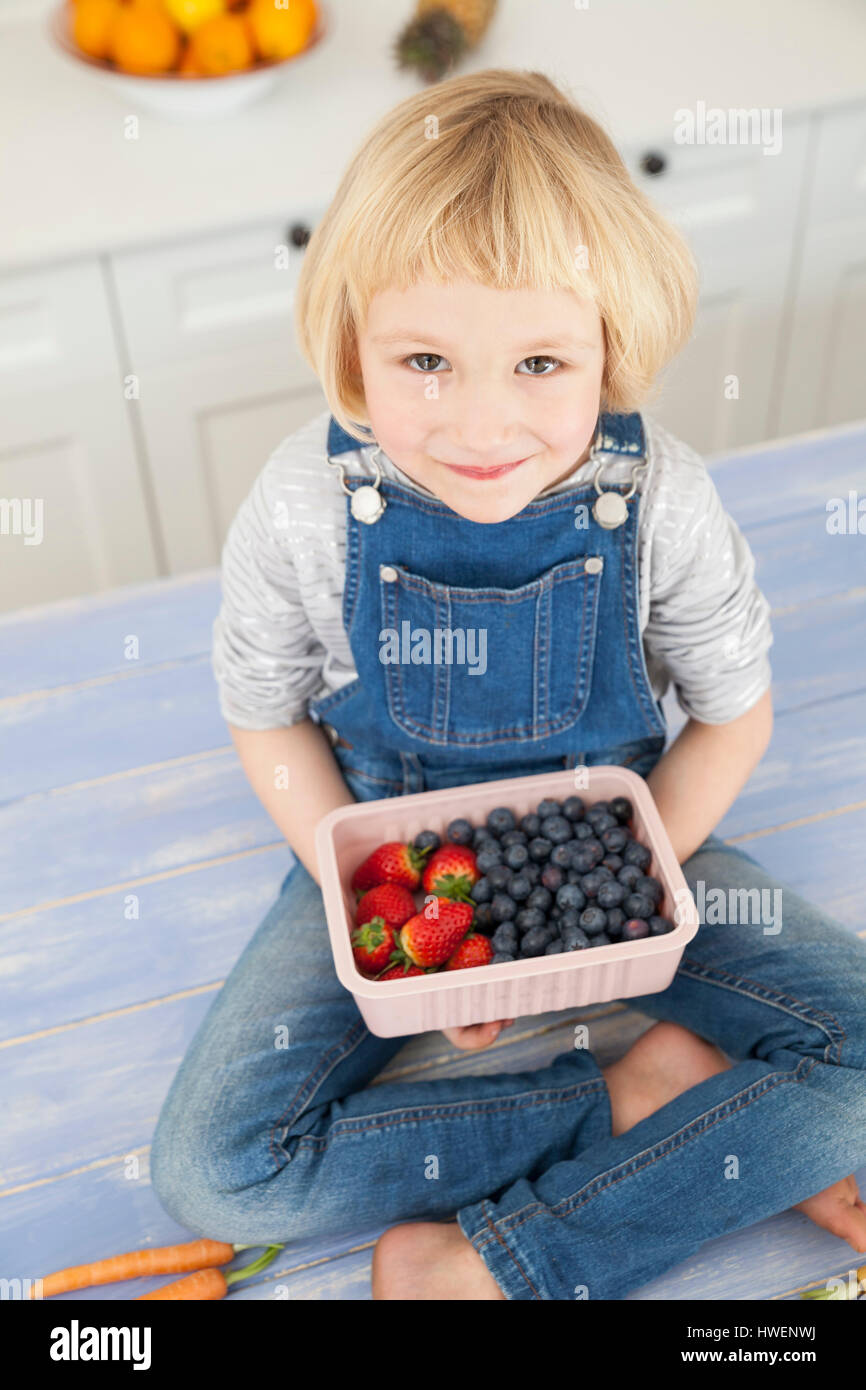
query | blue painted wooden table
(135,863)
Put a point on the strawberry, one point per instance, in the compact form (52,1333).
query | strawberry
(373,945)
(431,936)
(390,901)
(399,972)
(451,872)
(474,949)
(392,862)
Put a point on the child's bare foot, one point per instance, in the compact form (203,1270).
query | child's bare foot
(432,1261)
(665,1061)
(840,1210)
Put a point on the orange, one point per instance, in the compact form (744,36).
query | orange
(221,44)
(91,25)
(143,40)
(187,66)
(189,14)
(280,33)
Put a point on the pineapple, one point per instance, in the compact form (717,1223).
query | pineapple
(440,33)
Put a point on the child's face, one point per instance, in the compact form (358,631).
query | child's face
(477,378)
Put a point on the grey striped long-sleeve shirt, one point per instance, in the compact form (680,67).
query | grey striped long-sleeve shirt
(279,641)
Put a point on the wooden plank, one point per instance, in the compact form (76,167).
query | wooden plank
(81,732)
(88,957)
(63,962)
(787,477)
(169,712)
(84,638)
(94,837)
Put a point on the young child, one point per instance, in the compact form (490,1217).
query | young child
(488,302)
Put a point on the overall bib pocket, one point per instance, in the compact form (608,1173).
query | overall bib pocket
(480,667)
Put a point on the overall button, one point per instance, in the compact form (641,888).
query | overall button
(388,573)
(594,565)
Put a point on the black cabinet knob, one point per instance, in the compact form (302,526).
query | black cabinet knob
(653,163)
(299,234)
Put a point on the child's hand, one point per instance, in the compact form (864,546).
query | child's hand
(477,1035)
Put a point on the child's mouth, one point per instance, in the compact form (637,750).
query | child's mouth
(496,472)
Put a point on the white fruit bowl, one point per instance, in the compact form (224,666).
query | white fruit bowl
(174,96)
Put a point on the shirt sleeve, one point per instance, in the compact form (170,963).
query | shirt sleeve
(265,657)
(709,623)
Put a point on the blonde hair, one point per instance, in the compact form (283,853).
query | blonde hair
(514,180)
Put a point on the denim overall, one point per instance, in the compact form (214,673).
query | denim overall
(310,1143)
(540,660)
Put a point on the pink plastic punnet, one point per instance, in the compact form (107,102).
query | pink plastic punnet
(391,1008)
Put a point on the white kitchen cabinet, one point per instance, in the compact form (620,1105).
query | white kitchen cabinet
(738,208)
(74,509)
(208,325)
(824,377)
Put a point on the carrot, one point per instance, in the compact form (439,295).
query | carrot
(211,1283)
(165,1259)
(204,1284)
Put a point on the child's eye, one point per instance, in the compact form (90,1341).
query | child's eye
(554,360)
(428,357)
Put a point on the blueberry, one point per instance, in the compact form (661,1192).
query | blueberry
(639,905)
(505,937)
(561,854)
(540,897)
(650,887)
(503,907)
(548,807)
(659,926)
(574,876)
(593,920)
(583,859)
(556,829)
(500,820)
(499,876)
(596,849)
(602,821)
(479,835)
(570,917)
(516,856)
(569,895)
(460,832)
(427,839)
(552,877)
(601,939)
(553,948)
(583,830)
(612,862)
(629,874)
(502,958)
(615,919)
(621,807)
(532,872)
(486,844)
(572,808)
(634,929)
(513,837)
(531,824)
(534,942)
(528,918)
(614,838)
(636,853)
(519,887)
(610,893)
(487,858)
(539,849)
(574,939)
(483,920)
(597,877)
(481,890)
